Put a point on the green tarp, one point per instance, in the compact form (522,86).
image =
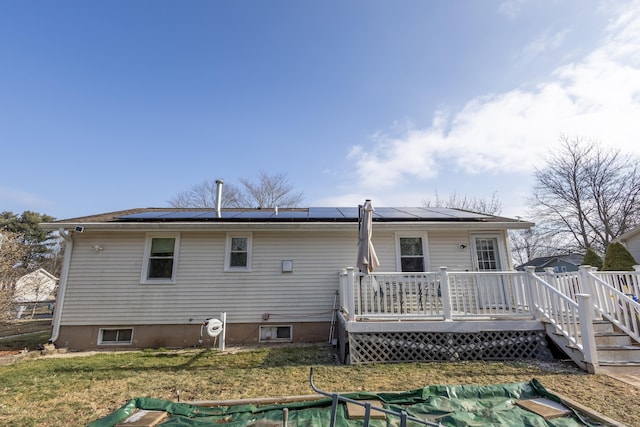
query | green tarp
(452,406)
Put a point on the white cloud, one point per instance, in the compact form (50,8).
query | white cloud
(597,98)
(510,8)
(545,42)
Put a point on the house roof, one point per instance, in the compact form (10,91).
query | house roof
(270,215)
(629,234)
(544,261)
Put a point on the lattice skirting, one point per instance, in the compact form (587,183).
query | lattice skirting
(417,346)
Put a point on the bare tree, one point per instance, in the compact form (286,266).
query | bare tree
(492,206)
(267,191)
(204,196)
(534,243)
(12,253)
(587,193)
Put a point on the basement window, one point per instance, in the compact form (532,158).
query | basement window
(115,336)
(276,333)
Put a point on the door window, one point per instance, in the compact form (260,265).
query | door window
(487,253)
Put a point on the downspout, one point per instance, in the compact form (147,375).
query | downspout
(62,284)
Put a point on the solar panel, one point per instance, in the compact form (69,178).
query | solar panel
(184,215)
(291,214)
(144,215)
(457,213)
(257,214)
(349,212)
(325,213)
(310,214)
(393,213)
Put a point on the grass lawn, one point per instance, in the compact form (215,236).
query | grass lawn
(74,390)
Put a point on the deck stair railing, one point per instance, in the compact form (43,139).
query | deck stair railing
(614,301)
(569,313)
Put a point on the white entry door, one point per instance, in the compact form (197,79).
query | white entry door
(487,257)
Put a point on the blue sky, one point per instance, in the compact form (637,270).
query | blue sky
(108,105)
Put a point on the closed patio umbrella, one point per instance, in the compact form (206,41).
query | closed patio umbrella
(367,258)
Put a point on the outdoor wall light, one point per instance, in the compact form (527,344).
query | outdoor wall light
(462,246)
(287,266)
(97,248)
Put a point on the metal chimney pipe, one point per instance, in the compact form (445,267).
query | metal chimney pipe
(219,183)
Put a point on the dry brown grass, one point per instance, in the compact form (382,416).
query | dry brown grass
(74,390)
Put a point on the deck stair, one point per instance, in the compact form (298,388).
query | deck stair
(617,352)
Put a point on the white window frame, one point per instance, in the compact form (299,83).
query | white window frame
(147,252)
(502,249)
(425,249)
(227,252)
(262,333)
(102,342)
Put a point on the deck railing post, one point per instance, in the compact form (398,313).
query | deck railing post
(533,296)
(585,313)
(445,290)
(351,301)
(587,287)
(550,277)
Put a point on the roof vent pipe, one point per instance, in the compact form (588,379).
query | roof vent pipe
(219,183)
(275,209)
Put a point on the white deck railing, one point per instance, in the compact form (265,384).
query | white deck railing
(614,302)
(439,295)
(558,307)
(567,301)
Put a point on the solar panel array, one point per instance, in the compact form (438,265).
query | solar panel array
(310,214)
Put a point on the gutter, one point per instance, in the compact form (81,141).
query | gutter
(62,284)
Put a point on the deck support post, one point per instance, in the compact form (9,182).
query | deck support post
(351,302)
(585,312)
(446,294)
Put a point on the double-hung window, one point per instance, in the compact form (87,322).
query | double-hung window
(411,253)
(238,252)
(161,258)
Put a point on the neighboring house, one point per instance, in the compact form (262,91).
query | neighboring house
(34,289)
(149,277)
(631,240)
(37,286)
(559,263)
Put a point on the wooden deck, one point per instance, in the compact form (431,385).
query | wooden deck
(392,316)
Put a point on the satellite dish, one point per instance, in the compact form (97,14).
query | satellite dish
(214,327)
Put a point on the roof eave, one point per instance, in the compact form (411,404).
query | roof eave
(301,225)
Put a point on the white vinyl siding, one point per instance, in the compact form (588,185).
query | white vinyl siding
(633,245)
(104,287)
(445,251)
